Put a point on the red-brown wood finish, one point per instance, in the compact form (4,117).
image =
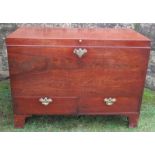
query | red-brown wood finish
(42,64)
(19,120)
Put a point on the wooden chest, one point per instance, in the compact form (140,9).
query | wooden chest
(58,71)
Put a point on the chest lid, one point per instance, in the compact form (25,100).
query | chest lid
(37,36)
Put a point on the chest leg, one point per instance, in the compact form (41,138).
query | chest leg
(19,120)
(133,120)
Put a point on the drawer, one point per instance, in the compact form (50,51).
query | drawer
(45,105)
(26,60)
(100,105)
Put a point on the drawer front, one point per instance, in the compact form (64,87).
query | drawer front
(45,105)
(100,105)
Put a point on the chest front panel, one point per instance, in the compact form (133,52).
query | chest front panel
(60,72)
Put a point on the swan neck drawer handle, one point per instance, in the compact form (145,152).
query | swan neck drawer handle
(109,101)
(80,52)
(45,101)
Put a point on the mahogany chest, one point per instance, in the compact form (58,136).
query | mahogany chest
(59,71)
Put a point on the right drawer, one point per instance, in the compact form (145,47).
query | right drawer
(108,105)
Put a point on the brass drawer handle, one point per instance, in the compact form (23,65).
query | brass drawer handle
(80,52)
(109,101)
(45,101)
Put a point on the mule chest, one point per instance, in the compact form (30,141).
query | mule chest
(60,71)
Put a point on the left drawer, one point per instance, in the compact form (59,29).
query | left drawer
(37,105)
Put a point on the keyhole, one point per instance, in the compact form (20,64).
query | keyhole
(80,41)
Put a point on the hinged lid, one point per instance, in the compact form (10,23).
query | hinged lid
(37,36)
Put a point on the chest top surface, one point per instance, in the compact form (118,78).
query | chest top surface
(73,36)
